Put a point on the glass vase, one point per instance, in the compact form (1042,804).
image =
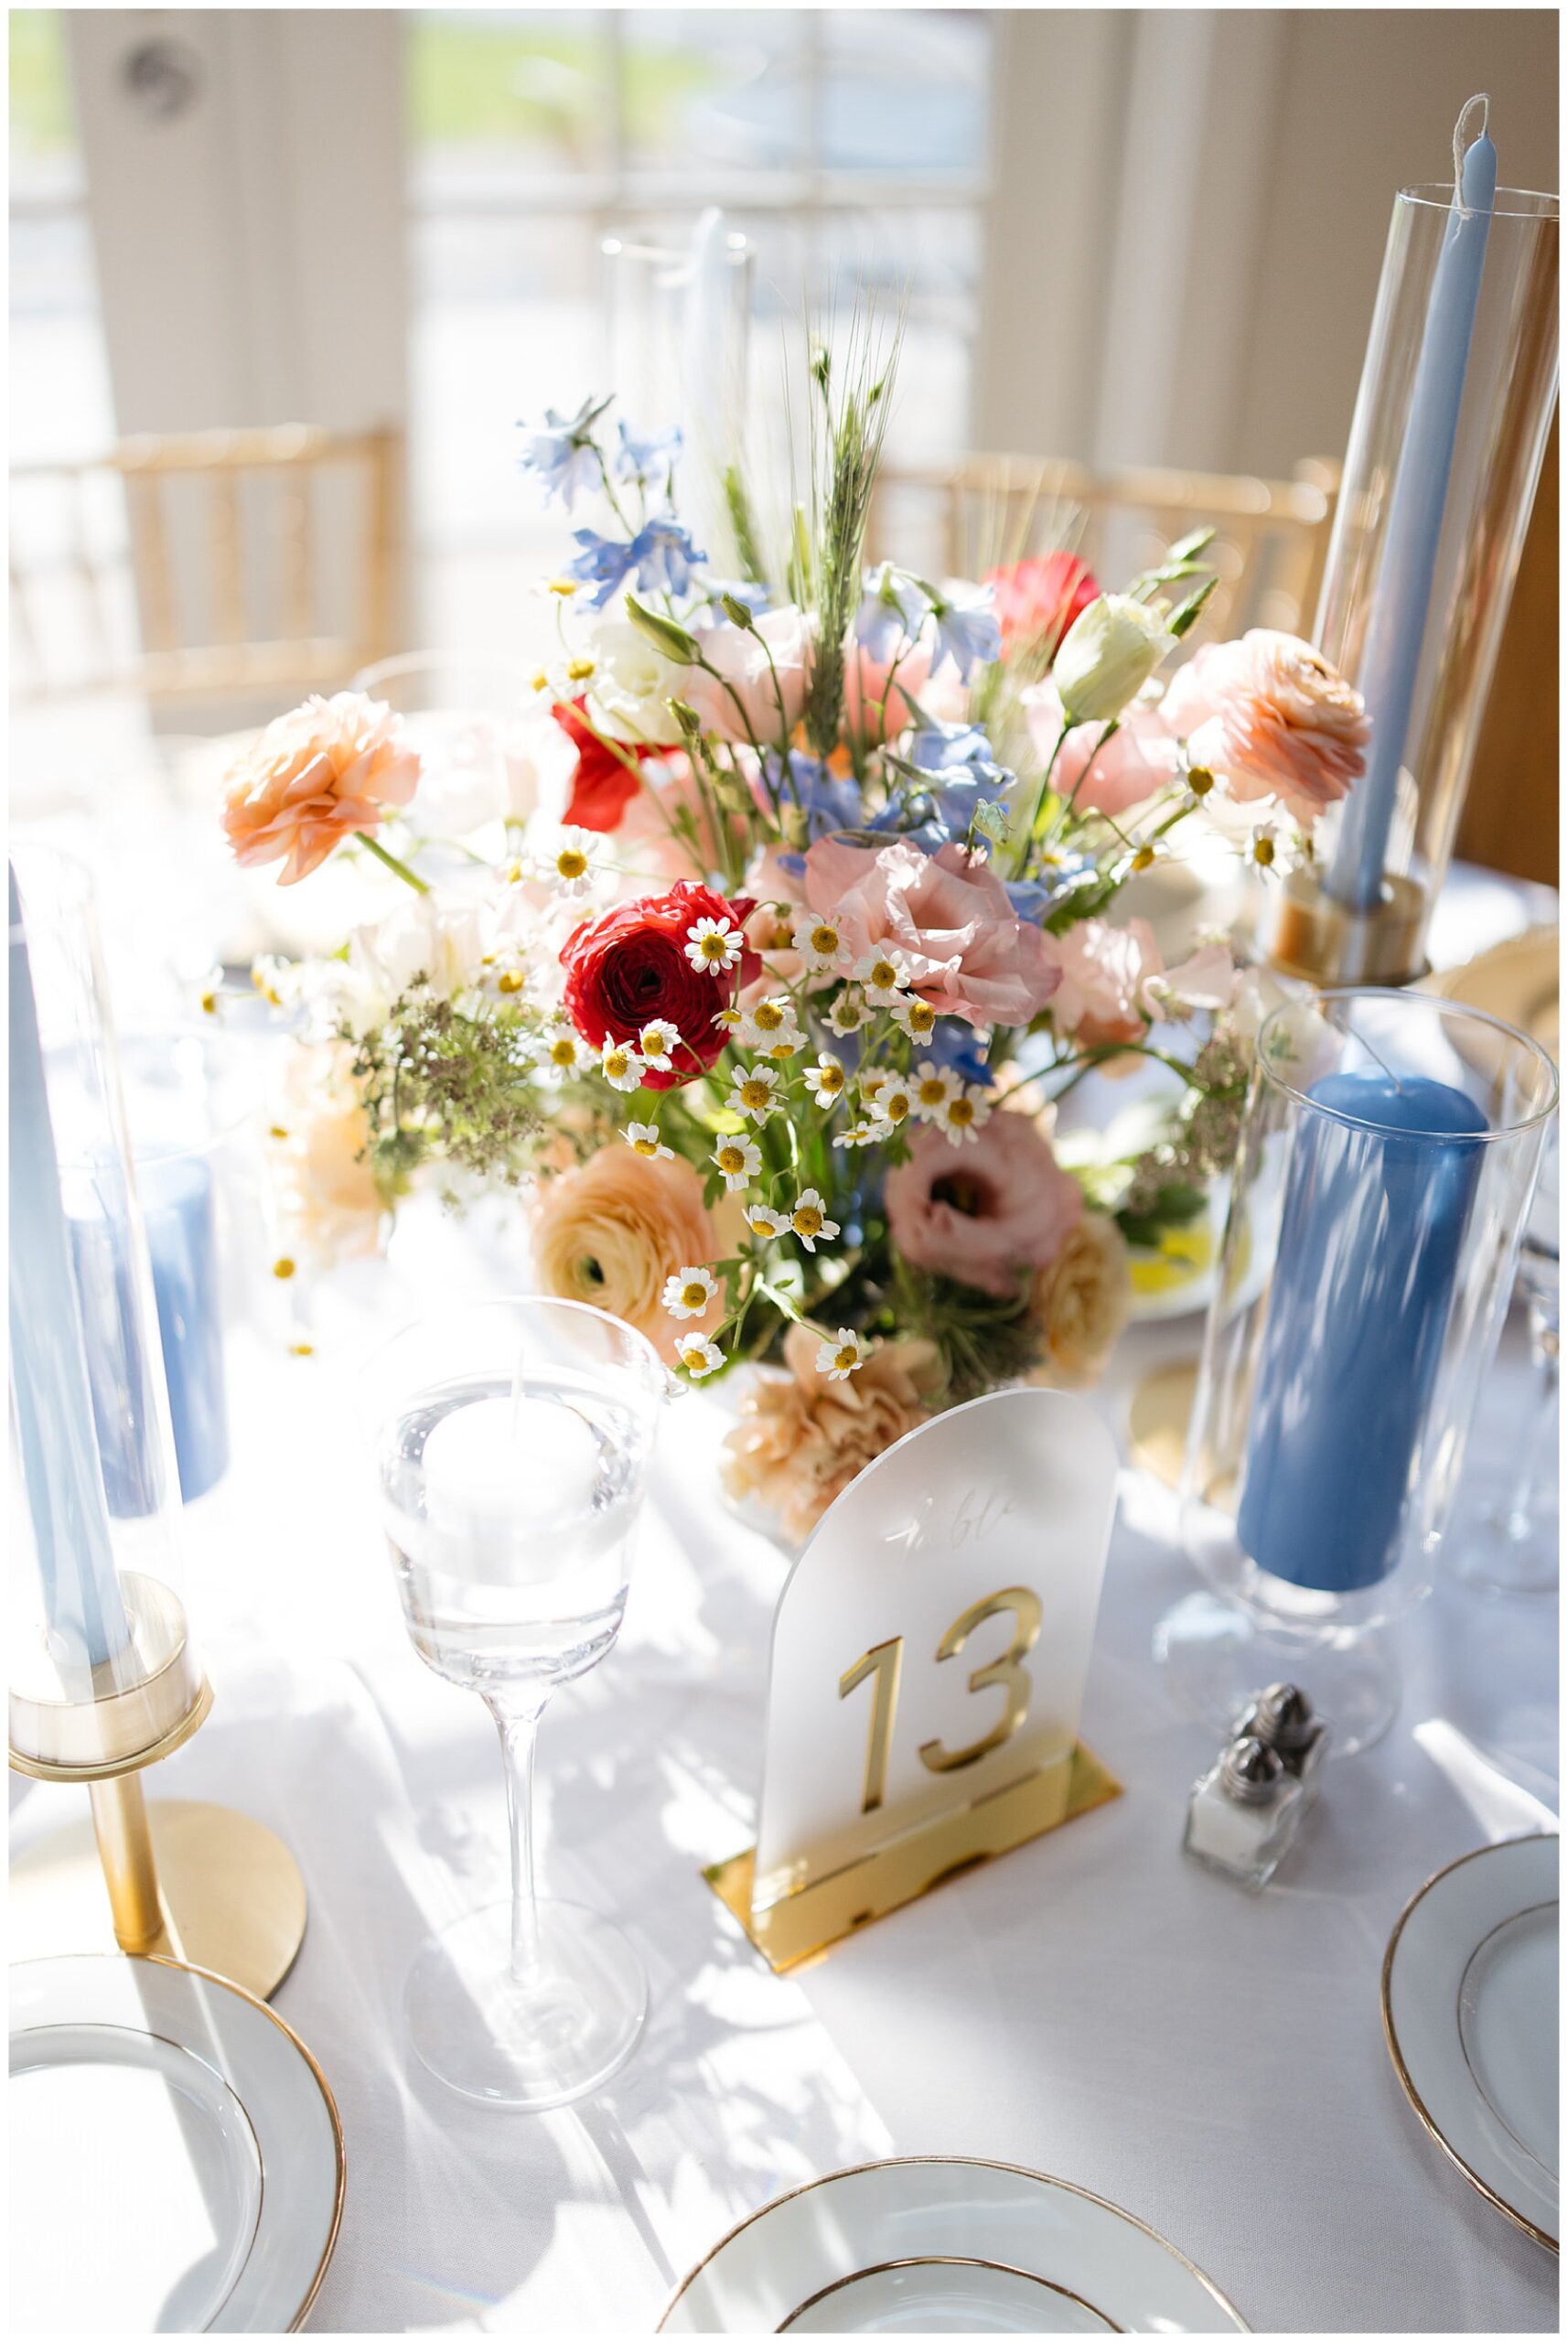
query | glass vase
(1389,1152)
(103,1666)
(1418,581)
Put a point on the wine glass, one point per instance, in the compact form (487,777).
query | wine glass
(1510,1541)
(512,1440)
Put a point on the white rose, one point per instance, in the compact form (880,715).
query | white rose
(632,683)
(1108,655)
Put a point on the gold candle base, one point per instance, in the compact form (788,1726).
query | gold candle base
(226,1894)
(1302,930)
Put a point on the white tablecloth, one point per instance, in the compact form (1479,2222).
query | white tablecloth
(1091,2005)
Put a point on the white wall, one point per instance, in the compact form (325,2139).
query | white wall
(1191,211)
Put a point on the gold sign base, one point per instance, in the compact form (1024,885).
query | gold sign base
(802,1924)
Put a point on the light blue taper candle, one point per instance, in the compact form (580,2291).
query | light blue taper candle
(85,1613)
(1397,627)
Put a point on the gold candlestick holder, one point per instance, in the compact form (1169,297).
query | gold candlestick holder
(1304,930)
(203,1884)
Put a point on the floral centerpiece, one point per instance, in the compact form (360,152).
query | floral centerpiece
(767,1005)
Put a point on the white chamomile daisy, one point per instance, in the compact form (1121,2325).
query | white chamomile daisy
(918,1017)
(963,1115)
(698,1356)
(657,1043)
(934,1085)
(884,975)
(848,1013)
(730,1019)
(559,1053)
(873,1082)
(818,939)
(839,1357)
(620,1066)
(763,1220)
(894,1102)
(809,1222)
(644,1139)
(690,1291)
(753,1092)
(771,1025)
(738,1159)
(567,860)
(863,1133)
(714,944)
(825,1078)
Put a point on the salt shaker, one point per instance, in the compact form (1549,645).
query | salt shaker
(1243,1813)
(1282,1719)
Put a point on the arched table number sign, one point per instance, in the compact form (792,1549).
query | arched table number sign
(929,1652)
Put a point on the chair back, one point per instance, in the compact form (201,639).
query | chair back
(205,564)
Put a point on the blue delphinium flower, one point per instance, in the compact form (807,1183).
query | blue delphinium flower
(749,590)
(604,564)
(831,805)
(954,1042)
(561,453)
(953,773)
(664,557)
(1036,898)
(646,462)
(890,612)
(968,631)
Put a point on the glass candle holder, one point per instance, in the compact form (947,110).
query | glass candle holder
(1387,1158)
(512,1441)
(1419,576)
(103,1665)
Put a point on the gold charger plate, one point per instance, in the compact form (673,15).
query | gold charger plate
(1517,981)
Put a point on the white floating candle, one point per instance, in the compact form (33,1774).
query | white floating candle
(527,1462)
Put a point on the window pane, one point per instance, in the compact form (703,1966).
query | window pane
(60,398)
(505,97)
(713,92)
(43,119)
(904,91)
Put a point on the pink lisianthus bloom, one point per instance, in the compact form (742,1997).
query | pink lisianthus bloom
(948,915)
(747,697)
(1140,759)
(869,682)
(985,1215)
(1115,983)
(1272,718)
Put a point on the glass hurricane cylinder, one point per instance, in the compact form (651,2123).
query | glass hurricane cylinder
(103,1666)
(1338,921)
(1388,1157)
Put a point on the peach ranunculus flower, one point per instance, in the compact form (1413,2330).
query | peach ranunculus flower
(948,915)
(984,1215)
(801,1439)
(611,1233)
(1114,983)
(757,669)
(1140,759)
(1080,1302)
(323,1194)
(315,776)
(1272,718)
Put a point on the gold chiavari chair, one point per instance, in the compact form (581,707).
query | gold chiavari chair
(1271,536)
(207,565)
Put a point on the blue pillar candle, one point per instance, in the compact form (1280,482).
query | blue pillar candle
(176,1199)
(1382,1177)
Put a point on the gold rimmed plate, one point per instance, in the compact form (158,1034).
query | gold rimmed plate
(176,2161)
(1517,979)
(1470,2014)
(928,2244)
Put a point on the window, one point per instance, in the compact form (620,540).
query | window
(60,404)
(849,146)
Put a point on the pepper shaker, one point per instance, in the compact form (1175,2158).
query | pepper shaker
(1284,1719)
(1243,1813)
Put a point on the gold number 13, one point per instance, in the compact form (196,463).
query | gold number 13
(884,1662)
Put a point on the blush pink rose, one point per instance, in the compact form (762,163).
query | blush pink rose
(1272,718)
(950,917)
(985,1214)
(1140,758)
(759,686)
(1115,983)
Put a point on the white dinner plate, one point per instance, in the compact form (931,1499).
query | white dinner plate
(929,2244)
(1470,2015)
(177,2163)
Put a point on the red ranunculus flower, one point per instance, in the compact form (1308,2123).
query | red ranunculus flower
(602,786)
(630,966)
(1037,600)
